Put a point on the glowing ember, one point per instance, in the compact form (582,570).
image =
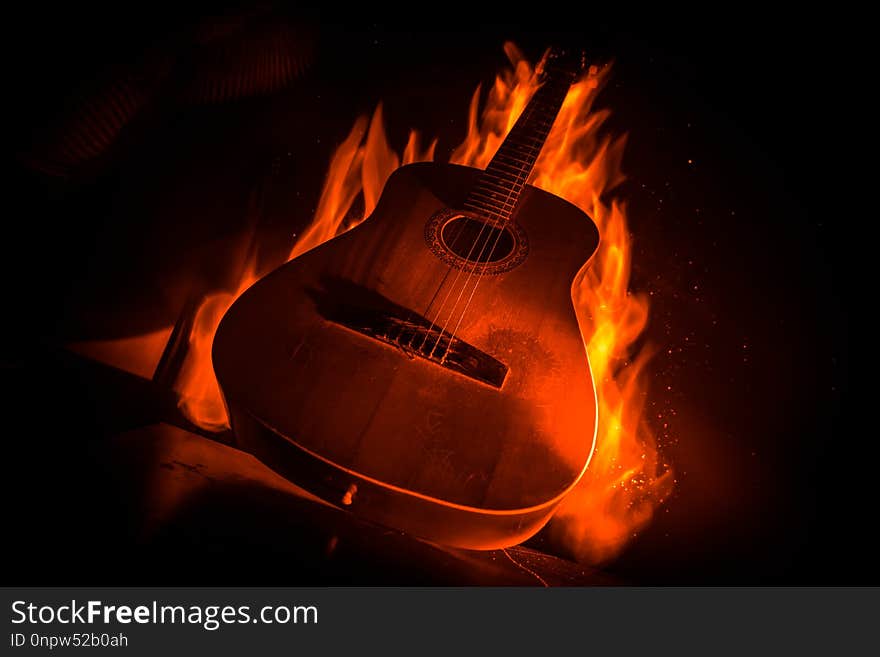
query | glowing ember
(625,481)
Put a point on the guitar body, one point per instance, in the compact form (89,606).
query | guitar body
(477,455)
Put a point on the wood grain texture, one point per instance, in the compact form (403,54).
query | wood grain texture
(409,423)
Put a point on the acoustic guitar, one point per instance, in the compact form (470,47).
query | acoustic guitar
(426,369)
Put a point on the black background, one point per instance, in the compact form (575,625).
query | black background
(752,253)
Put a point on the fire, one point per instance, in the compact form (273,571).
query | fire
(199,393)
(358,166)
(626,480)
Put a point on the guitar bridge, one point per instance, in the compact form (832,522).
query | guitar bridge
(367,312)
(415,337)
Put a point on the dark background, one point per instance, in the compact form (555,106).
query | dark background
(752,253)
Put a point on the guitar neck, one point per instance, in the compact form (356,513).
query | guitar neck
(497,191)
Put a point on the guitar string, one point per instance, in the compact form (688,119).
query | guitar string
(412,313)
(530,109)
(477,264)
(525,175)
(478,261)
(446,274)
(512,191)
(499,217)
(449,293)
(443,280)
(526,118)
(459,270)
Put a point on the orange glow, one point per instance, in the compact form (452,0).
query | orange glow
(137,354)
(199,393)
(626,480)
(358,165)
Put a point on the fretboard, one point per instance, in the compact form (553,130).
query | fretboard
(497,190)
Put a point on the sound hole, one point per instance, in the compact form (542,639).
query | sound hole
(477,241)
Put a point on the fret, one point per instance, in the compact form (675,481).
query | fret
(499,194)
(511,162)
(474,204)
(538,140)
(515,157)
(506,186)
(500,155)
(493,184)
(497,163)
(505,202)
(542,120)
(505,209)
(513,167)
(505,177)
(490,212)
(504,180)
(509,173)
(521,156)
(539,134)
(531,135)
(518,156)
(501,184)
(502,205)
(482,207)
(512,171)
(496,192)
(487,212)
(494,173)
(526,149)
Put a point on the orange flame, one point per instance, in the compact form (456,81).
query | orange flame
(626,480)
(357,166)
(199,394)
